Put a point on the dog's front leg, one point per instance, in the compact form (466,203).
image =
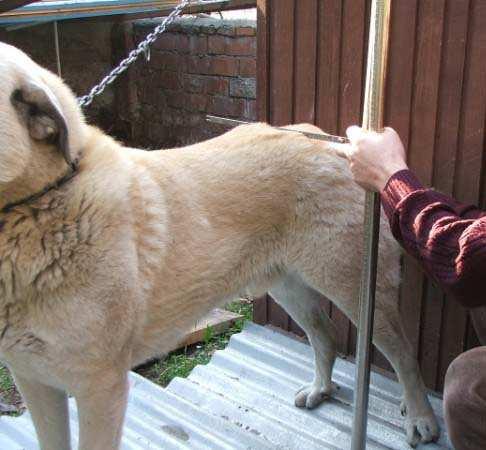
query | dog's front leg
(49,410)
(101,406)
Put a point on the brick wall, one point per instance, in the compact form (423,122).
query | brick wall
(199,67)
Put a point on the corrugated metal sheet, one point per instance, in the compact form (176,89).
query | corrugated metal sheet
(243,399)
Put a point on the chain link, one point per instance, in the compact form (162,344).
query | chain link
(143,47)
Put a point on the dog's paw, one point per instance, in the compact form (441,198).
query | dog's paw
(310,396)
(421,430)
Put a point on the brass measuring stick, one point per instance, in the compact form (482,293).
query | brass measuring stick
(373,121)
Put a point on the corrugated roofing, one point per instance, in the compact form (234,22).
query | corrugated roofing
(243,399)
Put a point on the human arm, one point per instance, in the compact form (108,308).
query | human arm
(447,237)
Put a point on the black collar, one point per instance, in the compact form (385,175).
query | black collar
(72,171)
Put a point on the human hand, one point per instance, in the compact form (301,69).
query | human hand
(373,157)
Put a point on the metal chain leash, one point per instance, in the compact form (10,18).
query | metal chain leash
(143,47)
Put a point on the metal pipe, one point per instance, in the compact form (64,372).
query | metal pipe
(373,121)
(58,52)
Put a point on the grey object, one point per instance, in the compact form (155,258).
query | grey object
(243,400)
(373,108)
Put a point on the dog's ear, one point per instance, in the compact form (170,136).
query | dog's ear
(42,115)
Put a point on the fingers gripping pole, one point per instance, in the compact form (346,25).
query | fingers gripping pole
(372,120)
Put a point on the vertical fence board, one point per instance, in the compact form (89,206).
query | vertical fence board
(263,59)
(349,101)
(328,64)
(305,61)
(430,27)
(282,62)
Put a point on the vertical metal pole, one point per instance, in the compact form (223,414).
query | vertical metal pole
(58,53)
(373,121)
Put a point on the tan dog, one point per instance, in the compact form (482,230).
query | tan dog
(112,266)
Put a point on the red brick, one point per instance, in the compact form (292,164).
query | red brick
(198,45)
(227,107)
(196,102)
(245,31)
(217,85)
(222,65)
(168,61)
(166,41)
(241,46)
(175,99)
(182,44)
(169,80)
(198,65)
(217,44)
(194,83)
(248,67)
(173,116)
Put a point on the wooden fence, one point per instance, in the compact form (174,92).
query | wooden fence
(311,61)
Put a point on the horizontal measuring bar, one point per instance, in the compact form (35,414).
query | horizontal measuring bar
(320,137)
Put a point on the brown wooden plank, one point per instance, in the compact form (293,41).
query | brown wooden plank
(328,65)
(426,88)
(263,59)
(352,62)
(398,107)
(330,18)
(282,62)
(294,328)
(399,86)
(471,140)
(277,315)
(450,96)
(430,339)
(219,320)
(305,59)
(260,310)
(421,144)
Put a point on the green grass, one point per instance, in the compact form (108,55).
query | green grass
(10,400)
(181,362)
(6,381)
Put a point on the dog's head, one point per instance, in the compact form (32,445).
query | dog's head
(41,124)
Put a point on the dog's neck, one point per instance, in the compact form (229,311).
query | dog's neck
(36,183)
(28,199)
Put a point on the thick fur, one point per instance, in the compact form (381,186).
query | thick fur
(115,266)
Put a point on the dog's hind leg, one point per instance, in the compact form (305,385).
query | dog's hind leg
(389,336)
(49,411)
(303,304)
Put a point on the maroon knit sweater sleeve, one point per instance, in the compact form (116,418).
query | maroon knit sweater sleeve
(447,237)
